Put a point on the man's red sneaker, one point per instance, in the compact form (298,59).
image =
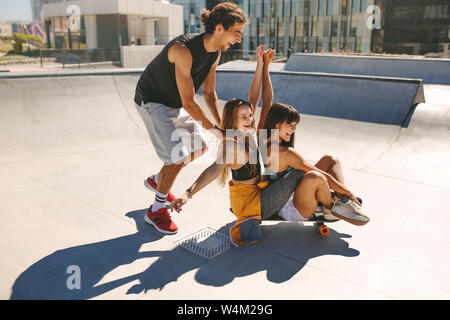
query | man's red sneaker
(161,221)
(152,185)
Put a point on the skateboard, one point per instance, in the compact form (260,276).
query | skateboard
(318,222)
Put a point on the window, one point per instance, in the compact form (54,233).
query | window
(272,32)
(251,8)
(344,7)
(266,8)
(260,30)
(306,29)
(286,8)
(321,7)
(334,27)
(330,7)
(294,4)
(314,27)
(280,28)
(436,12)
(307,4)
(343,27)
(363,6)
(353,29)
(355,6)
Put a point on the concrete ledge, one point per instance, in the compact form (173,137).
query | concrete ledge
(363,98)
(18,75)
(433,71)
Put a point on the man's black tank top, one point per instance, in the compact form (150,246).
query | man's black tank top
(158,84)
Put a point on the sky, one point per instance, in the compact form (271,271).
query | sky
(12,10)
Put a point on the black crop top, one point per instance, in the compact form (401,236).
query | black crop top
(244,172)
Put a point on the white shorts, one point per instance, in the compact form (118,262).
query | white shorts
(290,213)
(173,132)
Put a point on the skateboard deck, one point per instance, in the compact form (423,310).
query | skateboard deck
(318,222)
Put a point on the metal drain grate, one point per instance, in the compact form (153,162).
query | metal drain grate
(207,243)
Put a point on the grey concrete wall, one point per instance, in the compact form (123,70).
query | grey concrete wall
(370,99)
(138,56)
(432,71)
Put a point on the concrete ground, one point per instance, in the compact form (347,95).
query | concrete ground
(73,158)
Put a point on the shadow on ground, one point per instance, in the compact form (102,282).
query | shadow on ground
(47,278)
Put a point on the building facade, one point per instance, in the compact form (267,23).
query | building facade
(36,11)
(416,26)
(110,24)
(298,25)
(393,26)
(5,29)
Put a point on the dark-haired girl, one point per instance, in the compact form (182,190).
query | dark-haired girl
(296,187)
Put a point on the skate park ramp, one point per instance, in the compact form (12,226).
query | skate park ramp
(73,157)
(432,71)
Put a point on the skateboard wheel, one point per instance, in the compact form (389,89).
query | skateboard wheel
(324,230)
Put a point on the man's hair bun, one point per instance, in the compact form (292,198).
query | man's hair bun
(204,15)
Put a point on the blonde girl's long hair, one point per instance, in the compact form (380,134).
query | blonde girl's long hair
(229,116)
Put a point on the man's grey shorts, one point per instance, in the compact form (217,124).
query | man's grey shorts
(173,132)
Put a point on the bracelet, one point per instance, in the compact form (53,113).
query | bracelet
(189,193)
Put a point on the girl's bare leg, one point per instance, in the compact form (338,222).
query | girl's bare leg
(312,189)
(332,166)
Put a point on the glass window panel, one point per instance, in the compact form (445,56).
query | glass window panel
(251,8)
(294,6)
(298,24)
(355,6)
(330,7)
(333,44)
(358,44)
(353,28)
(314,27)
(343,27)
(334,27)
(286,8)
(344,7)
(321,7)
(363,5)
(266,8)
(280,28)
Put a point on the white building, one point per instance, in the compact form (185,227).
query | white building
(111,23)
(5,29)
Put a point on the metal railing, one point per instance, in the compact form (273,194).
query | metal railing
(247,55)
(69,58)
(79,57)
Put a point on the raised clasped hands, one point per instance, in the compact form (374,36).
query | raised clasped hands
(268,56)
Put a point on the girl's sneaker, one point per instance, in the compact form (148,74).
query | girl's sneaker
(348,211)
